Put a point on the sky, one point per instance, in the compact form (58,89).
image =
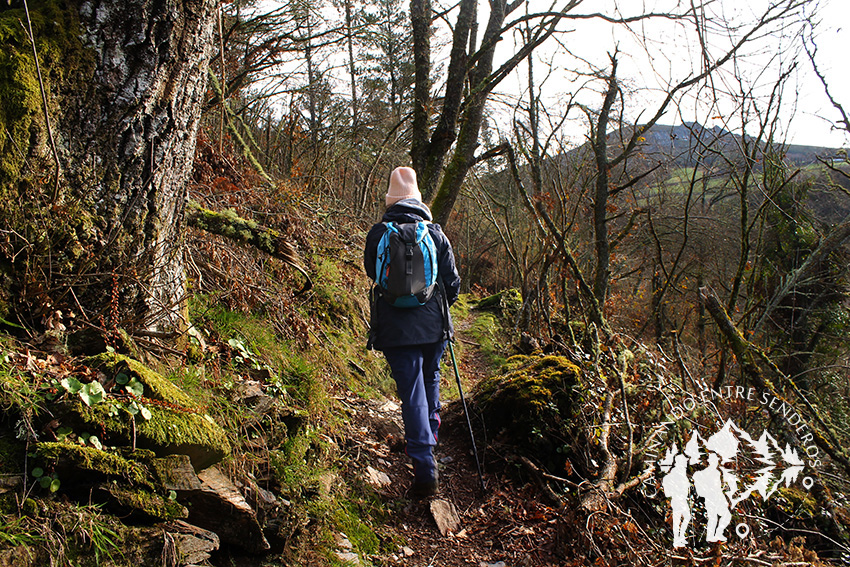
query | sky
(651,53)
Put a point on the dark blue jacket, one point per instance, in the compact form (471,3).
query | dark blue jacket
(394,326)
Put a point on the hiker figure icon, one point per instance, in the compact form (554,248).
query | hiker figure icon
(676,487)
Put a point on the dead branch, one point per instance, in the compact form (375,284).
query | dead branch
(630,446)
(540,477)
(747,355)
(244,231)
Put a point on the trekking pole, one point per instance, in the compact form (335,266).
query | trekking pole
(468,421)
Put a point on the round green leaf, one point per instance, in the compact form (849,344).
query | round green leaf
(71,385)
(146,413)
(92,393)
(54,485)
(38,472)
(63,432)
(122,379)
(135,387)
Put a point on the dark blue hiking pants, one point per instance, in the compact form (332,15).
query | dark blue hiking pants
(416,370)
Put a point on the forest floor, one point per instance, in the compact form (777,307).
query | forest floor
(504,525)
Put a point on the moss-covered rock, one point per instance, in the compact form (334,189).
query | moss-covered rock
(175,425)
(73,461)
(142,504)
(506,301)
(532,402)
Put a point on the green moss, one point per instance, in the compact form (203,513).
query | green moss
(166,432)
(93,460)
(346,519)
(533,402)
(175,425)
(507,301)
(147,503)
(61,54)
(797,503)
(156,386)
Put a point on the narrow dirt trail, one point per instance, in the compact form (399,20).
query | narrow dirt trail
(505,525)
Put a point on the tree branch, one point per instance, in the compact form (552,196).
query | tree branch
(230,225)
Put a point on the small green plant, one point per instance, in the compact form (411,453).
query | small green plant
(247,357)
(49,482)
(15,533)
(93,528)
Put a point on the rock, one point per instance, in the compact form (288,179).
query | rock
(528,344)
(259,498)
(176,473)
(248,391)
(348,558)
(343,542)
(138,504)
(189,544)
(83,465)
(388,429)
(496,564)
(175,426)
(446,516)
(407,551)
(220,507)
(377,478)
(10,483)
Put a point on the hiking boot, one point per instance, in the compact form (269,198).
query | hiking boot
(424,489)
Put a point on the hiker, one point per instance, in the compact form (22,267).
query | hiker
(414,337)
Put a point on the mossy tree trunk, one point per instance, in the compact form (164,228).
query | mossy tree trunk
(125,82)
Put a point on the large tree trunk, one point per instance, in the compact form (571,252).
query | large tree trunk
(126,106)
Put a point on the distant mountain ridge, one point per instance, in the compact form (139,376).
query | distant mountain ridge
(683,141)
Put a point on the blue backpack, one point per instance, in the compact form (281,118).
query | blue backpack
(406,267)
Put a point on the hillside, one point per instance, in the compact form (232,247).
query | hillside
(272,437)
(684,142)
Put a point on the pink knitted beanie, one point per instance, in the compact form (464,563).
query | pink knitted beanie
(402,186)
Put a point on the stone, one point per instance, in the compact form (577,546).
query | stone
(220,507)
(348,558)
(11,483)
(407,551)
(191,544)
(343,542)
(137,504)
(377,478)
(177,473)
(248,391)
(528,344)
(446,516)
(17,557)
(259,498)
